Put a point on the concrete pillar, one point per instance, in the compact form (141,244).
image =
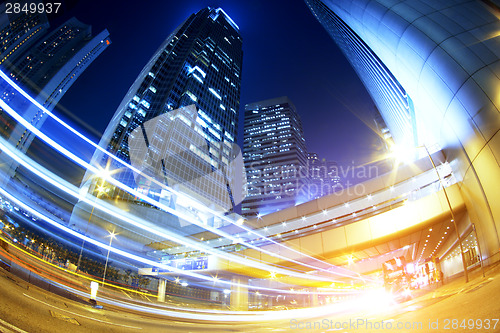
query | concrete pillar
(162,288)
(239,294)
(313,297)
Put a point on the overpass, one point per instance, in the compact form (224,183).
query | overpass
(351,233)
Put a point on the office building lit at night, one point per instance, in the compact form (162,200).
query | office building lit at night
(47,68)
(183,107)
(127,204)
(275,157)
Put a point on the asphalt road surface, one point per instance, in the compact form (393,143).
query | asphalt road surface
(455,307)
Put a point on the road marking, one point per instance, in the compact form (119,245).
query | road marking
(12,327)
(63,317)
(77,314)
(126,294)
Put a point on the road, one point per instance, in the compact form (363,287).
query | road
(26,308)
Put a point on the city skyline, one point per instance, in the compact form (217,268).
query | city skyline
(154,228)
(321,89)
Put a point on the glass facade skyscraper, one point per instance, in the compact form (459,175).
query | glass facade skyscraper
(383,87)
(274,151)
(44,65)
(198,64)
(18,32)
(440,61)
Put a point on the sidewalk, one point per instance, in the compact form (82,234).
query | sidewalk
(457,285)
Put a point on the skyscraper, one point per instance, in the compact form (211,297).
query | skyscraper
(49,69)
(46,70)
(18,32)
(323,175)
(384,88)
(433,69)
(274,151)
(178,121)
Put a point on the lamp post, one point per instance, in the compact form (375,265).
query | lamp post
(111,236)
(100,189)
(403,152)
(466,274)
(102,175)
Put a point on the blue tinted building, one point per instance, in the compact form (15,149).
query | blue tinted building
(275,157)
(177,127)
(198,64)
(433,69)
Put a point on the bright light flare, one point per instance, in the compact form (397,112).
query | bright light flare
(378,300)
(402,154)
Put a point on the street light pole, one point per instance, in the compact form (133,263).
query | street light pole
(111,236)
(83,242)
(466,274)
(479,248)
(87,227)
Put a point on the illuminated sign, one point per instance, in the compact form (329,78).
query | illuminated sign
(186,264)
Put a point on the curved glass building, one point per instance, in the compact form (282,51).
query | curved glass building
(433,69)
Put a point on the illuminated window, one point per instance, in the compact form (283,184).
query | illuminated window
(215,93)
(145,103)
(191,95)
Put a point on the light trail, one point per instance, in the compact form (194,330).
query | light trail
(96,146)
(240,316)
(134,220)
(94,170)
(154,263)
(162,306)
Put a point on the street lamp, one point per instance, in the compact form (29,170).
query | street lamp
(466,274)
(111,236)
(102,175)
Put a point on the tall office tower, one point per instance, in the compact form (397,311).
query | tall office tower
(46,71)
(49,69)
(183,107)
(18,32)
(274,151)
(383,87)
(433,69)
(323,175)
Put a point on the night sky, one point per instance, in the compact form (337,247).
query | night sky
(285,52)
